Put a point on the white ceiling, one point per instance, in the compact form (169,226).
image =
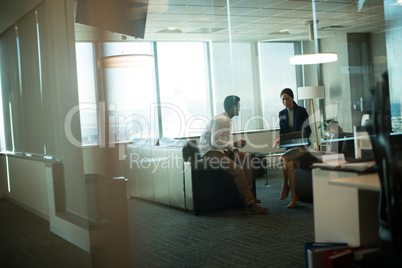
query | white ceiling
(272,20)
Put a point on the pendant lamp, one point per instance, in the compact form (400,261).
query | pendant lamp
(314,58)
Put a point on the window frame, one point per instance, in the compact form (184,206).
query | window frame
(101,94)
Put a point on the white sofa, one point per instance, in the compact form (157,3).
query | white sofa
(170,172)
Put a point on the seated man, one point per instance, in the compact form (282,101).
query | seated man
(218,149)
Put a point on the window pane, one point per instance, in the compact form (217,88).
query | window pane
(233,75)
(2,142)
(30,107)
(276,74)
(184,87)
(87,92)
(9,85)
(130,94)
(393,15)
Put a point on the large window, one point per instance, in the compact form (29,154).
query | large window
(130,95)
(184,87)
(86,76)
(276,74)
(233,72)
(21,86)
(176,96)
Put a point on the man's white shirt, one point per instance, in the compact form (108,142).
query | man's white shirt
(218,135)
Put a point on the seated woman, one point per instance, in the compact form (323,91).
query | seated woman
(292,118)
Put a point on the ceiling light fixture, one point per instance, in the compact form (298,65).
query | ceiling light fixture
(126,61)
(171,30)
(315,58)
(283,31)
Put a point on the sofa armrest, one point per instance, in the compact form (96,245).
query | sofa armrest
(213,190)
(304,186)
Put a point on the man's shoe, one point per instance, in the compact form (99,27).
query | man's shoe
(255,209)
(257,200)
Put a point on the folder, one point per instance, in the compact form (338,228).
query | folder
(316,256)
(339,258)
(316,245)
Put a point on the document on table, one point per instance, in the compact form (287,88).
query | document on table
(339,163)
(359,166)
(331,160)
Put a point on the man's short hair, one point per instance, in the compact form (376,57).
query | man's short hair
(287,91)
(230,101)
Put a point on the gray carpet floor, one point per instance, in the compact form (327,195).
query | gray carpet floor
(162,236)
(167,237)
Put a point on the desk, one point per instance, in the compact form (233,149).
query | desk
(364,182)
(346,207)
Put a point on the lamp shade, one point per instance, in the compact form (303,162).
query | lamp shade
(314,58)
(314,92)
(125,61)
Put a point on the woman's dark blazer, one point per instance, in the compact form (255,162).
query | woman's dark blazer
(300,119)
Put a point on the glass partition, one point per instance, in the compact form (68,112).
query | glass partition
(206,51)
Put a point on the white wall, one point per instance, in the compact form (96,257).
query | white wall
(60,96)
(28,185)
(104,161)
